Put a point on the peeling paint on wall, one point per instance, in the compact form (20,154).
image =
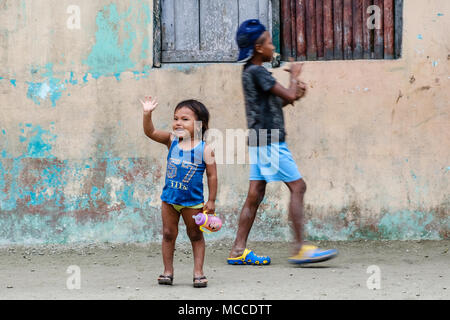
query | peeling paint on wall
(39,141)
(116,38)
(48,86)
(109,56)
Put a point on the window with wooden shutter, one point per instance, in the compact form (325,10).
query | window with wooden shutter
(341,29)
(204,30)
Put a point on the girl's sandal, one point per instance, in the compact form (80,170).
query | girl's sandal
(165,279)
(198,283)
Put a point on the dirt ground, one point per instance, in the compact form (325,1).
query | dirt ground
(408,270)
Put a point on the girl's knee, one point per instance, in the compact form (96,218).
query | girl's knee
(170,234)
(195,234)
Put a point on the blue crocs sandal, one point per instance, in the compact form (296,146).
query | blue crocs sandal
(249,257)
(312,254)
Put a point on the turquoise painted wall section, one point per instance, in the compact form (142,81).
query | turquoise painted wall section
(38,200)
(112,201)
(111,54)
(49,87)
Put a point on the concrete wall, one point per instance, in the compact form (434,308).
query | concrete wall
(371,138)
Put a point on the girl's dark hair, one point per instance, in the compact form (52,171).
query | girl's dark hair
(200,111)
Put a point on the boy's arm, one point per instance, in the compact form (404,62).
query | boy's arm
(296,88)
(300,92)
(160,136)
(211,173)
(289,96)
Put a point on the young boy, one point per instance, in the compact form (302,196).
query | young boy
(270,158)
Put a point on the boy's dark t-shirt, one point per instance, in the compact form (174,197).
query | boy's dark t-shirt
(263,108)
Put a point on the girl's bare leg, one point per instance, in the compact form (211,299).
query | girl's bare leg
(170,219)
(197,240)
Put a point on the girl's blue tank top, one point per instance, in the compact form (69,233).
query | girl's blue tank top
(184,175)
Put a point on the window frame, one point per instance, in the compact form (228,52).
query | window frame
(157,32)
(277,34)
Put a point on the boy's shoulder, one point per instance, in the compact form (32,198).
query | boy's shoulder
(254,68)
(254,72)
(257,76)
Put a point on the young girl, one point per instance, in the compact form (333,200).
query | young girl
(182,194)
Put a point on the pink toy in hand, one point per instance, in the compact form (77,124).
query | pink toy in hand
(208,222)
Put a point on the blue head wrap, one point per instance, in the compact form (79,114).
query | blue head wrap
(246,36)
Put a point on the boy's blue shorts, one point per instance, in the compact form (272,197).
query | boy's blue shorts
(273,162)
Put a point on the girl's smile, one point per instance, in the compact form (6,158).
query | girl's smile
(184,122)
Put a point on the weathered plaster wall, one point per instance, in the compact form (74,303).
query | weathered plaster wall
(371,138)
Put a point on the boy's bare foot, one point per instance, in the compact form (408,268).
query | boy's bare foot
(235,253)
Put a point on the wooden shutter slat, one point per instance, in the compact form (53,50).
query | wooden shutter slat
(168,24)
(293,28)
(223,13)
(263,12)
(311,49)
(248,9)
(319,25)
(398,14)
(254,9)
(200,56)
(286,32)
(338,16)
(328,29)
(357,29)
(367,32)
(300,26)
(348,30)
(389,29)
(379,33)
(187,36)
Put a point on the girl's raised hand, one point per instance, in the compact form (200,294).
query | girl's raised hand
(148,105)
